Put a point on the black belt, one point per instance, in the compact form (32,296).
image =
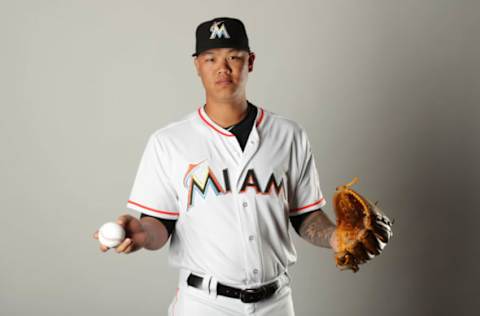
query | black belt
(246,295)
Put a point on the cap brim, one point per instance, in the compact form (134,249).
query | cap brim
(239,48)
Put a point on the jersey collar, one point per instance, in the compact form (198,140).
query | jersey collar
(211,124)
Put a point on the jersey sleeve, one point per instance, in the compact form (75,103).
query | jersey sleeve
(306,195)
(152,192)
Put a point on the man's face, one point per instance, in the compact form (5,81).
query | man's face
(224,71)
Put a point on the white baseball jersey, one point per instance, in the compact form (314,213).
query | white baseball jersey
(232,206)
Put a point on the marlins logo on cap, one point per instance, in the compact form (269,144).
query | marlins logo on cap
(221,32)
(218,31)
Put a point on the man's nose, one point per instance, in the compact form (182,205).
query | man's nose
(224,66)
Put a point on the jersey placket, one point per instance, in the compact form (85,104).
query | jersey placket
(247,209)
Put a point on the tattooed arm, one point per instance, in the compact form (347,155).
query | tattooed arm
(316,228)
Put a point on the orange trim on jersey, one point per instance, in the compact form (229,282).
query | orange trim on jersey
(175,303)
(261,116)
(260,119)
(208,123)
(152,209)
(306,206)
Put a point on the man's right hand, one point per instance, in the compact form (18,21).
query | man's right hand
(135,235)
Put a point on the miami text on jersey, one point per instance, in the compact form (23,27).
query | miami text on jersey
(199,177)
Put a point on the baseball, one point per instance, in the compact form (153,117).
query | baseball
(111,234)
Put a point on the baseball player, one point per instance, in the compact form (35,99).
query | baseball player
(223,183)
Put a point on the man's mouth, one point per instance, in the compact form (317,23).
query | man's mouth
(223,81)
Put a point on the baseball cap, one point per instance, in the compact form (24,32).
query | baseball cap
(221,32)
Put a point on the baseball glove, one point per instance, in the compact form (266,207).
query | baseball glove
(362,231)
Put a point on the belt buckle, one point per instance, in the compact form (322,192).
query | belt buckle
(250,295)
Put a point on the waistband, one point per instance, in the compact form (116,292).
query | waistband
(210,281)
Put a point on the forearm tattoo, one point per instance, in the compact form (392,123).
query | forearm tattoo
(317,229)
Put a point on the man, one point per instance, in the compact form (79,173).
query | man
(224,182)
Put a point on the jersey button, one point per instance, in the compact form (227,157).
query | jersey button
(251,237)
(255,271)
(245,204)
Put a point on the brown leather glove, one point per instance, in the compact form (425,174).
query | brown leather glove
(363,230)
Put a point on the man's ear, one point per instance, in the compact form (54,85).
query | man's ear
(195,62)
(251,59)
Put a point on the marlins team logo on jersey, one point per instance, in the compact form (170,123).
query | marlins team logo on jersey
(200,177)
(218,30)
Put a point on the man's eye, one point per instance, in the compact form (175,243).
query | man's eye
(209,59)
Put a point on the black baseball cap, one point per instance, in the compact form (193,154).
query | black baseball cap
(222,32)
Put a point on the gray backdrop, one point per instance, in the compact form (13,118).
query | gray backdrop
(387,90)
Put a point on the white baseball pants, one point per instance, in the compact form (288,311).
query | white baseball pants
(192,301)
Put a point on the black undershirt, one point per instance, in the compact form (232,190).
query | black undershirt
(241,131)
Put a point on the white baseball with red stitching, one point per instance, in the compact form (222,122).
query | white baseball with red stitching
(111,234)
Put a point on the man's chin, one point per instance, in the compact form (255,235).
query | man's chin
(225,97)
(225,93)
